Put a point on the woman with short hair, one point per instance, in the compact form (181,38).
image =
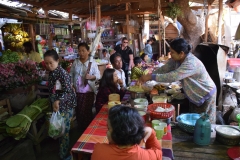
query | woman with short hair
(125,132)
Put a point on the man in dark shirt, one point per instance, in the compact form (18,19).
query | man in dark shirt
(127,56)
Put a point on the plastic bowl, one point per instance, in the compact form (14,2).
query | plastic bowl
(159,99)
(227,135)
(187,121)
(140,101)
(141,107)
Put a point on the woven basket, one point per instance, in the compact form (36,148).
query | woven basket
(160,115)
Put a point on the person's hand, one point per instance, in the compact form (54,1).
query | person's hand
(56,106)
(74,89)
(147,133)
(120,82)
(90,77)
(145,78)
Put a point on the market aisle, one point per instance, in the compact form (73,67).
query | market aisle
(50,147)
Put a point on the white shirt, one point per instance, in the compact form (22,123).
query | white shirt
(121,75)
(78,70)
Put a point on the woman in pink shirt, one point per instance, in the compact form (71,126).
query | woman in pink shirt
(125,132)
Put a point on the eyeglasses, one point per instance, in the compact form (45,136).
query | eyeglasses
(125,42)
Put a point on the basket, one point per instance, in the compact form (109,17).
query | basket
(160,115)
(187,121)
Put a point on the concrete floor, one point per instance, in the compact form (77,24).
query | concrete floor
(50,147)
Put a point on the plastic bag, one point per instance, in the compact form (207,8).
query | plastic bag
(56,126)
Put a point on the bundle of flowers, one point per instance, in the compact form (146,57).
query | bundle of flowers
(19,74)
(66,64)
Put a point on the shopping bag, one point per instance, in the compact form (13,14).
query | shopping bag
(56,125)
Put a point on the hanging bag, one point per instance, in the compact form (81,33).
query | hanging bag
(56,126)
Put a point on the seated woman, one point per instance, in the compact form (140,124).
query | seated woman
(144,58)
(108,85)
(125,132)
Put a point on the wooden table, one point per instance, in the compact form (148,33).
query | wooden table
(185,148)
(97,133)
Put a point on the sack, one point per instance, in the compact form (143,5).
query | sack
(56,125)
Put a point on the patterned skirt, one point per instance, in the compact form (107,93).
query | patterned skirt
(84,107)
(209,107)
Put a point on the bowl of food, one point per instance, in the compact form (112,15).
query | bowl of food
(159,99)
(140,101)
(228,135)
(187,121)
(160,110)
(138,91)
(141,107)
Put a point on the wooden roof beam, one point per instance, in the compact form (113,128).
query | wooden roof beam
(86,4)
(140,11)
(124,12)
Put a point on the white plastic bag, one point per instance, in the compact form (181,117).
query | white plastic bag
(56,125)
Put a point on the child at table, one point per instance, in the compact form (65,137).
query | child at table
(108,85)
(61,95)
(125,132)
(137,71)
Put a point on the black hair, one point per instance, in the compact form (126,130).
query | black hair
(51,53)
(137,60)
(180,44)
(83,45)
(104,50)
(113,56)
(150,40)
(107,80)
(28,44)
(124,38)
(127,125)
(143,56)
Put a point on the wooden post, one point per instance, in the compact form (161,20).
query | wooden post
(127,22)
(220,21)
(206,22)
(70,28)
(98,15)
(159,27)
(32,35)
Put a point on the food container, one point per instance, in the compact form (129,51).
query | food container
(160,115)
(140,101)
(227,135)
(113,103)
(159,99)
(187,121)
(135,95)
(141,107)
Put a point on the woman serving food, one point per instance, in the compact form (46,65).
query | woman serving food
(198,86)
